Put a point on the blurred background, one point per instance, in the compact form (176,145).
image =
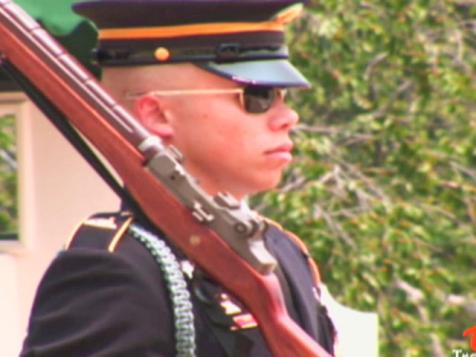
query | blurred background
(383,188)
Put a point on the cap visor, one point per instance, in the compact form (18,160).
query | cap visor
(272,73)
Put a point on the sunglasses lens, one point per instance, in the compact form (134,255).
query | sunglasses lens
(259,99)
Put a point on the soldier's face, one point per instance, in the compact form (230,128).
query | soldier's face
(225,147)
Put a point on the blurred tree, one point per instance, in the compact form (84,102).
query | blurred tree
(383,188)
(8,178)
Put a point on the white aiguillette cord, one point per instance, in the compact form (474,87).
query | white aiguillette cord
(177,286)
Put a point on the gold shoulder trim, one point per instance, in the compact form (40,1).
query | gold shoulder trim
(119,234)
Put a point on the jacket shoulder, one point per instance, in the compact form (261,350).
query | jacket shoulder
(276,230)
(117,299)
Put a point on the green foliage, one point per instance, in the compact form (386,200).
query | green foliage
(8,177)
(383,188)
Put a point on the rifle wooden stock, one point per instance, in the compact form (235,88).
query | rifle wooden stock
(260,293)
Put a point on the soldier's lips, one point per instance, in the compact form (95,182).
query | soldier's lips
(281,153)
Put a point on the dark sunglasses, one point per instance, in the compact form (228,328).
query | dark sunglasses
(260,99)
(254,99)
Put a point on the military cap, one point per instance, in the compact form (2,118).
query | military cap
(242,40)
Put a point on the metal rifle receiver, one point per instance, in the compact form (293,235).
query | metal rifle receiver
(233,220)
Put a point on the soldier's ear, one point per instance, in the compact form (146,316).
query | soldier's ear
(153,114)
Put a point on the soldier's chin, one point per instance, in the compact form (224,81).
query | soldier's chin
(270,182)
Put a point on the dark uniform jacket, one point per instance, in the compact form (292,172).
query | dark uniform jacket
(92,302)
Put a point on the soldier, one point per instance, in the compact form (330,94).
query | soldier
(209,77)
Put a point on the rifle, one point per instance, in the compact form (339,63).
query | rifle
(219,234)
